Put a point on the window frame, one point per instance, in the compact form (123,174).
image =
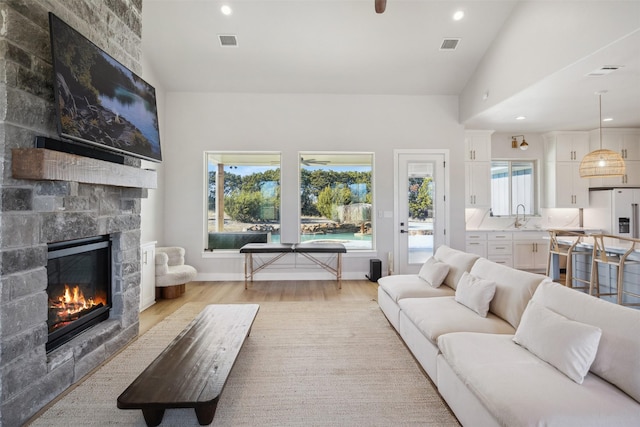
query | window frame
(535,181)
(329,154)
(239,153)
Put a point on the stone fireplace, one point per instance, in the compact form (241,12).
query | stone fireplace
(37,214)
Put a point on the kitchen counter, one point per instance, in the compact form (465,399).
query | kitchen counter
(612,245)
(607,274)
(541,229)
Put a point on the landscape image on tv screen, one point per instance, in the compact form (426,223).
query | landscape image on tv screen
(99,101)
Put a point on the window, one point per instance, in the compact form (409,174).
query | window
(513,183)
(336,198)
(243,199)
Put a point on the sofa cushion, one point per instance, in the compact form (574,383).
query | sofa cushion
(433,272)
(437,316)
(514,288)
(519,389)
(568,345)
(411,286)
(618,357)
(458,261)
(475,293)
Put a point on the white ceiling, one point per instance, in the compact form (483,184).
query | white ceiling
(344,47)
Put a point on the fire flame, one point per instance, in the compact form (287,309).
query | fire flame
(72,305)
(73,300)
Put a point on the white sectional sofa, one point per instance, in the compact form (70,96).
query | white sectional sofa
(490,380)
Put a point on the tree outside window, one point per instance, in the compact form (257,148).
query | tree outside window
(336,198)
(243,199)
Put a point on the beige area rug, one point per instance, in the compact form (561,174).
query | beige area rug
(304,364)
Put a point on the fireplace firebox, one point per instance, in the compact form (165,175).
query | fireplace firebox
(78,288)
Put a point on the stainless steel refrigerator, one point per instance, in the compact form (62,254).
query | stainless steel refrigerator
(615,211)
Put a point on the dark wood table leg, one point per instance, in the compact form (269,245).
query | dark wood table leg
(206,412)
(153,417)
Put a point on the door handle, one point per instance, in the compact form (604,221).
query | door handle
(403,231)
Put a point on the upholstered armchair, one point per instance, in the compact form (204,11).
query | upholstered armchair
(171,272)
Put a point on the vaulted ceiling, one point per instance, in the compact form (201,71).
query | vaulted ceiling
(344,47)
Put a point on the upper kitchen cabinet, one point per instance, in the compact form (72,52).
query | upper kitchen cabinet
(563,186)
(478,168)
(478,184)
(627,143)
(477,145)
(566,146)
(624,141)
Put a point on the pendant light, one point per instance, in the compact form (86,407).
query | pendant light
(601,163)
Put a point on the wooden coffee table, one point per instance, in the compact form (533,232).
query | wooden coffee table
(192,371)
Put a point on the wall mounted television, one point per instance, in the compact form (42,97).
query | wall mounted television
(99,101)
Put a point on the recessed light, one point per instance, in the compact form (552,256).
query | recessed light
(226,10)
(458,15)
(520,118)
(608,119)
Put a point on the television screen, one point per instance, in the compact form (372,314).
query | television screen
(98,100)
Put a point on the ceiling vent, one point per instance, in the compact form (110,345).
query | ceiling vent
(228,41)
(604,70)
(449,44)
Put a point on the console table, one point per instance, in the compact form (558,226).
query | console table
(308,250)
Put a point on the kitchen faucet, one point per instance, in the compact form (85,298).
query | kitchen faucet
(524,216)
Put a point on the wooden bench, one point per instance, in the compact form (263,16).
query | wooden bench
(309,250)
(192,371)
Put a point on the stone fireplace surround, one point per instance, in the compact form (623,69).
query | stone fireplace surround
(34,213)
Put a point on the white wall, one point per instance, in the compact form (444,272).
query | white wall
(196,122)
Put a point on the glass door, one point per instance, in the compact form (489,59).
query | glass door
(420,206)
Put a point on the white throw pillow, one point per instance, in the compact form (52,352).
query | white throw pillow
(475,293)
(567,345)
(433,272)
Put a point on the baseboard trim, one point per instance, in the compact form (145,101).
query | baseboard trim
(267,276)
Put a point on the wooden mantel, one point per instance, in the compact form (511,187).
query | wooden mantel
(48,165)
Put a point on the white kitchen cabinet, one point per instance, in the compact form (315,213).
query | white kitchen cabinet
(493,245)
(499,236)
(530,251)
(624,141)
(499,249)
(477,145)
(477,168)
(564,187)
(627,143)
(476,243)
(524,250)
(148,275)
(566,146)
(631,178)
(478,184)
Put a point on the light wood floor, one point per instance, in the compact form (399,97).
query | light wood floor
(260,291)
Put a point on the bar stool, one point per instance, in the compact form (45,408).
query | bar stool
(567,248)
(616,257)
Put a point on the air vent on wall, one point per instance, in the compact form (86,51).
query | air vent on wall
(228,41)
(604,70)
(449,44)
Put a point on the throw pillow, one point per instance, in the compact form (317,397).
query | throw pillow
(475,293)
(433,272)
(567,345)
